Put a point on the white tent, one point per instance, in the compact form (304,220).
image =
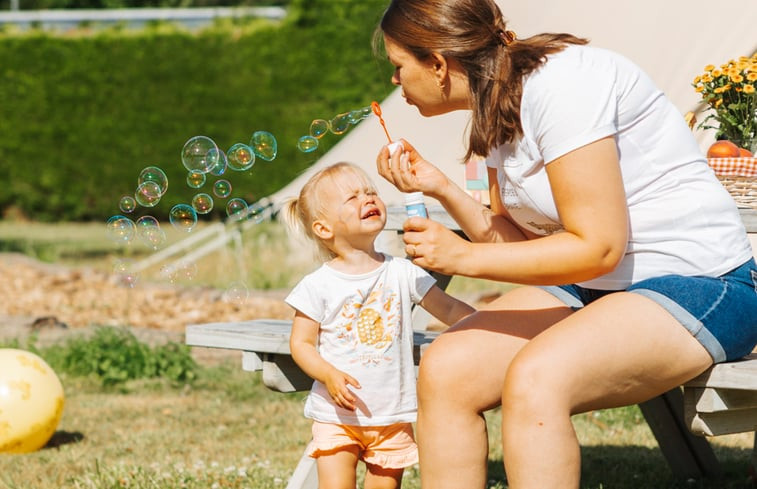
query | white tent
(671,40)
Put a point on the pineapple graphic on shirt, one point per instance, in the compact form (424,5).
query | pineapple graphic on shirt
(372,327)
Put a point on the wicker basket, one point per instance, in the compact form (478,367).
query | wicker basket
(739,177)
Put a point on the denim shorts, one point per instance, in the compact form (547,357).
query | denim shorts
(721,312)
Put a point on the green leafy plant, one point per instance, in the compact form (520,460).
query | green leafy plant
(114,355)
(730,91)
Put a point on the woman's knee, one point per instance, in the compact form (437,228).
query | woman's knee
(532,384)
(436,372)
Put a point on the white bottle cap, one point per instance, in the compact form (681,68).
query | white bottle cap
(413,198)
(393,147)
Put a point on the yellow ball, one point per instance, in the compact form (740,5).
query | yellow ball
(31,401)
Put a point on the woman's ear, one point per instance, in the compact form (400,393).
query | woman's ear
(439,64)
(322,230)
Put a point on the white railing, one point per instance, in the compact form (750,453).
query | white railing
(208,240)
(67,19)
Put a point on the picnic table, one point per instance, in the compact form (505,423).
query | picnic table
(722,400)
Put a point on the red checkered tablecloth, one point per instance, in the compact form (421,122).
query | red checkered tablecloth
(736,167)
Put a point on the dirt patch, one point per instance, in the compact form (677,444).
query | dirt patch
(55,301)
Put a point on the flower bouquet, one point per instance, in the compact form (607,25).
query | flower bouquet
(730,91)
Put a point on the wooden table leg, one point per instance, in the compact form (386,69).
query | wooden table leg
(688,455)
(305,475)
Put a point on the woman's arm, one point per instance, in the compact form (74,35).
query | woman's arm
(590,198)
(444,307)
(302,344)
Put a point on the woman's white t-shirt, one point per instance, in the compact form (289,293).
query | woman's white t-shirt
(682,220)
(365,331)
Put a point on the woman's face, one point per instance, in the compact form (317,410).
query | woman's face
(419,79)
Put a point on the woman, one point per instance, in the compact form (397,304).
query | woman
(631,253)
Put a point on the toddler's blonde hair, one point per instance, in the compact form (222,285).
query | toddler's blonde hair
(299,213)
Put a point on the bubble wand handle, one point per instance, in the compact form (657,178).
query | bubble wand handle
(377,110)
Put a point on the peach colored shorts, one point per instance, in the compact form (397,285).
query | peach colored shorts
(390,447)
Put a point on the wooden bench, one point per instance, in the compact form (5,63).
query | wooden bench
(722,400)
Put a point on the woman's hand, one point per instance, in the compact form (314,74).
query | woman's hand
(434,247)
(409,172)
(336,383)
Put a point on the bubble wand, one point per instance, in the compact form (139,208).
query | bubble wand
(377,110)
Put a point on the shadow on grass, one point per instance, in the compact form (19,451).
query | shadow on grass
(635,467)
(60,438)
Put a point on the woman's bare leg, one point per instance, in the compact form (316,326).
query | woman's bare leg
(620,350)
(461,376)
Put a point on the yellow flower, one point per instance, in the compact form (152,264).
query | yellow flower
(729,92)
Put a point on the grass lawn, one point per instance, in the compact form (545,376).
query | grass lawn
(229,431)
(226,430)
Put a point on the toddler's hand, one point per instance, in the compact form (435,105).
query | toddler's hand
(336,383)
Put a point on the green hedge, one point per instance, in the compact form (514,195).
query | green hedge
(80,116)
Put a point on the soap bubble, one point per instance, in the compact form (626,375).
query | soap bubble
(355,116)
(148,194)
(195,179)
(240,157)
(202,203)
(256,212)
(183,217)
(200,153)
(236,293)
(149,231)
(318,128)
(264,145)
(127,204)
(219,168)
(307,144)
(234,207)
(120,229)
(124,271)
(222,188)
(183,270)
(366,111)
(154,174)
(145,222)
(340,123)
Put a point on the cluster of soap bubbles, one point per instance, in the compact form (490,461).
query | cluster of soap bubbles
(339,124)
(204,161)
(201,157)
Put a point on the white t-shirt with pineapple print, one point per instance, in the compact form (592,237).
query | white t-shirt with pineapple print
(365,331)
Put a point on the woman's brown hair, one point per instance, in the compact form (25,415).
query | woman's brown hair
(474,33)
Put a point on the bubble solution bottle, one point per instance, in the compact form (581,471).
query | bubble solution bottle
(414,205)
